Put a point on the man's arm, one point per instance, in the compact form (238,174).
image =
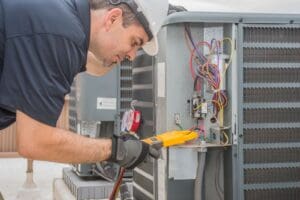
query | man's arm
(38,141)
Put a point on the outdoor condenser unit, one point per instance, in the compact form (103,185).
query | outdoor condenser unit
(237,78)
(96,105)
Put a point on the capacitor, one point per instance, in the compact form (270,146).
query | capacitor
(199,106)
(131,121)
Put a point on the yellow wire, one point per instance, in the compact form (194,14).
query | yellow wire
(231,51)
(218,101)
(198,107)
(221,111)
(226,137)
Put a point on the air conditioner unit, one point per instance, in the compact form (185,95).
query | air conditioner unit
(252,144)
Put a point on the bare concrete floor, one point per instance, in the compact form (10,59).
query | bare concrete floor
(13,176)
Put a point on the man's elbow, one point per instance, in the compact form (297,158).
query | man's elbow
(25,150)
(28,144)
(29,139)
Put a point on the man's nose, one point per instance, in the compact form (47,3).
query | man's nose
(131,54)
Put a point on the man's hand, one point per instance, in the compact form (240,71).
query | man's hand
(129,152)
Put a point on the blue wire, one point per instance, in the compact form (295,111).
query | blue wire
(200,55)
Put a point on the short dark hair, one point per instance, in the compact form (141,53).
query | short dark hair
(129,17)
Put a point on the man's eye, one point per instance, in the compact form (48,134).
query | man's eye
(134,44)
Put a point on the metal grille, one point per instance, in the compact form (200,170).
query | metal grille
(271,55)
(72,109)
(273,194)
(269,115)
(126,69)
(144,182)
(125,105)
(272,75)
(125,93)
(270,146)
(271,95)
(126,83)
(125,86)
(274,155)
(272,34)
(271,135)
(272,175)
(143,92)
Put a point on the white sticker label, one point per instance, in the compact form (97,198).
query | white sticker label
(204,108)
(106,103)
(161,80)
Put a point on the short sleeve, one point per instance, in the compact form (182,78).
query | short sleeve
(37,73)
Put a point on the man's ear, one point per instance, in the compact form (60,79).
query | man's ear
(113,17)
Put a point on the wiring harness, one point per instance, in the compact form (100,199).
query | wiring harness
(208,68)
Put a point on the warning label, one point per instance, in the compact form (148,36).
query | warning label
(106,103)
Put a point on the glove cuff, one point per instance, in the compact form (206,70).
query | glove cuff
(114,149)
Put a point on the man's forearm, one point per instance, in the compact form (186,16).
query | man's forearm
(71,148)
(42,142)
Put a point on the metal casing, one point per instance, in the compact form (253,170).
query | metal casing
(96,106)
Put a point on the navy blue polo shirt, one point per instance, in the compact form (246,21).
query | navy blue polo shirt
(43,45)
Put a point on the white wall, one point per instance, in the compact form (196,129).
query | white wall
(264,6)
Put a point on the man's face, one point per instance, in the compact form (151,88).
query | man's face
(111,42)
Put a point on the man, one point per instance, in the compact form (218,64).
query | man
(43,45)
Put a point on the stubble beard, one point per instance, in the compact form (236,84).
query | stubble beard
(107,64)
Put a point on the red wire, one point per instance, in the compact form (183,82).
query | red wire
(201,43)
(205,68)
(117,185)
(191,67)
(221,98)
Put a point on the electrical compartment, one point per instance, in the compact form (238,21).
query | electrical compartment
(187,86)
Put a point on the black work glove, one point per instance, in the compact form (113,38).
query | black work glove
(129,152)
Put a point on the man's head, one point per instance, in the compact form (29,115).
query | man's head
(116,34)
(120,27)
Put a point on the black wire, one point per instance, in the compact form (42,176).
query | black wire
(187,28)
(189,33)
(217,175)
